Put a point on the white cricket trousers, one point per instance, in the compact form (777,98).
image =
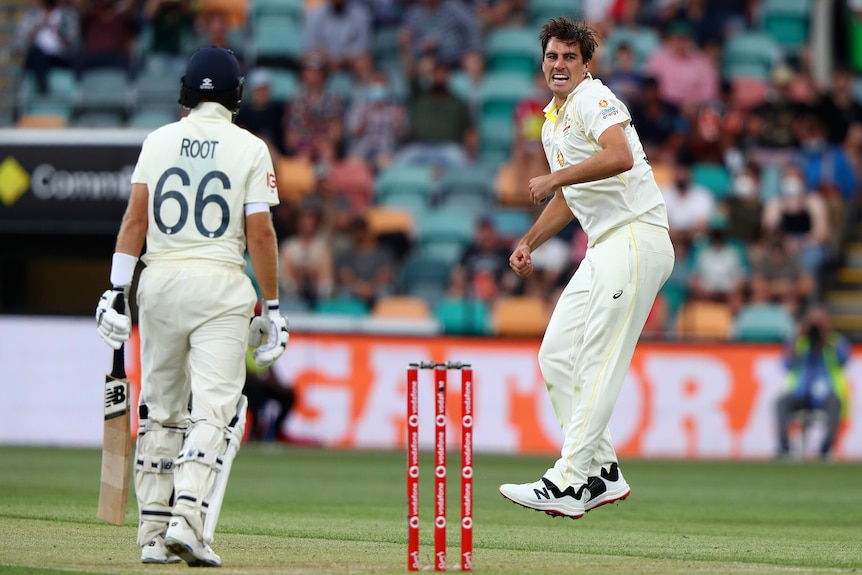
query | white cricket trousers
(591,337)
(193,322)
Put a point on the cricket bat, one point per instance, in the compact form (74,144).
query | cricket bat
(116,441)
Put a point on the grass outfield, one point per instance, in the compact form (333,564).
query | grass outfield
(295,510)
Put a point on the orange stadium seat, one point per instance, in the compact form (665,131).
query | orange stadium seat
(390,220)
(236,10)
(42,121)
(401,307)
(704,321)
(520,316)
(296,178)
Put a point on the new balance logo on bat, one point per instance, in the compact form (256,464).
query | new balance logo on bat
(116,398)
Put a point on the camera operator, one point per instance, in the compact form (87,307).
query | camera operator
(815,380)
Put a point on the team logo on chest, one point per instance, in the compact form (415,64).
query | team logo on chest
(560,159)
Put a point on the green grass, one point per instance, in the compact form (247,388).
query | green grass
(302,510)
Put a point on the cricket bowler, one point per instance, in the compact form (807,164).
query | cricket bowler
(201,195)
(599,175)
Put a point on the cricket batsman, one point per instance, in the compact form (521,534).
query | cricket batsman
(600,176)
(201,195)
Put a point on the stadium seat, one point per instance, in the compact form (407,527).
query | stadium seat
(154,88)
(152,118)
(501,91)
(424,276)
(62,94)
(520,316)
(284,85)
(750,54)
(446,225)
(470,187)
(786,21)
(106,89)
(48,108)
(390,220)
(704,321)
(713,177)
(42,121)
(261,9)
(341,83)
(416,204)
(99,119)
(749,92)
(462,316)
(397,180)
(511,223)
(401,307)
(342,305)
(513,49)
(234,9)
(449,251)
(763,322)
(540,11)
(353,179)
(295,178)
(496,136)
(277,41)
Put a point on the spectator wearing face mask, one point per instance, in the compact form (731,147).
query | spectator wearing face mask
(744,207)
(719,271)
(801,217)
(823,162)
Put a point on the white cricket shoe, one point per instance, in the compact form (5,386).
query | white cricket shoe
(545,496)
(156,552)
(607,487)
(182,540)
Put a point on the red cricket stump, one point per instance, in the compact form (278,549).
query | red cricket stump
(413,469)
(440,469)
(466,469)
(441,371)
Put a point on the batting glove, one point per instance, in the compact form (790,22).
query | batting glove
(268,335)
(114,326)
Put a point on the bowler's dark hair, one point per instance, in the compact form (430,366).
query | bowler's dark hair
(570,31)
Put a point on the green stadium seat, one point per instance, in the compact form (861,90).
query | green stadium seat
(750,54)
(462,316)
(284,85)
(446,224)
(713,177)
(99,119)
(496,136)
(513,49)
(540,11)
(424,275)
(342,305)
(473,181)
(107,89)
(763,323)
(511,222)
(786,22)
(277,40)
(152,119)
(264,9)
(396,180)
(643,41)
(501,91)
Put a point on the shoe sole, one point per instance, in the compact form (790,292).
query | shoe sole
(610,499)
(184,552)
(551,512)
(151,561)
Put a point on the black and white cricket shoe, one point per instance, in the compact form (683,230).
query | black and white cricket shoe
(607,487)
(545,496)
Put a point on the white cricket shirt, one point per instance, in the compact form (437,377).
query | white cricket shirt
(200,173)
(571,135)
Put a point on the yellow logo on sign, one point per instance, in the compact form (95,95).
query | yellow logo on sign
(14,181)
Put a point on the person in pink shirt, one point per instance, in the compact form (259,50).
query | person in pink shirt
(686,75)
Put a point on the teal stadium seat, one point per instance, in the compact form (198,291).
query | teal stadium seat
(151,119)
(540,11)
(511,223)
(155,89)
(277,41)
(106,89)
(416,204)
(424,276)
(98,119)
(713,177)
(284,85)
(513,49)
(469,186)
(750,54)
(342,305)
(446,224)
(763,323)
(786,21)
(61,97)
(263,9)
(397,180)
(501,91)
(462,316)
(496,136)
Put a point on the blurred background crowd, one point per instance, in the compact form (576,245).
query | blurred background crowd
(404,132)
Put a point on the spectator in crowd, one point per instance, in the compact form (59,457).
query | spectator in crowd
(214,30)
(716,127)
(718,269)
(770,126)
(481,270)
(108,32)
(815,362)
(262,389)
(466,83)
(837,107)
(444,30)
(689,206)
(375,125)
(744,208)
(340,30)
(497,13)
(624,78)
(48,37)
(778,277)
(822,161)
(314,115)
(260,115)
(661,126)
(306,261)
(366,270)
(170,22)
(441,127)
(686,76)
(801,217)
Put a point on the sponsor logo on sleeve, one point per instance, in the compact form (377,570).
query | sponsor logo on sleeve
(270,180)
(560,159)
